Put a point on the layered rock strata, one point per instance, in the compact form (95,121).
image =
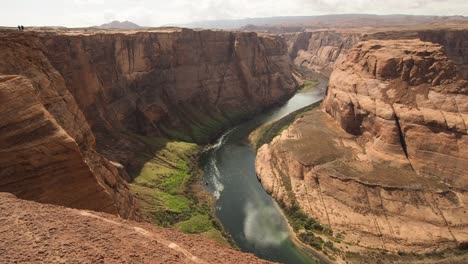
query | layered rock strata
(177,83)
(384,166)
(319,50)
(48,149)
(410,100)
(71,99)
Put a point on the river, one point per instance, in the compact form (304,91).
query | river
(246,211)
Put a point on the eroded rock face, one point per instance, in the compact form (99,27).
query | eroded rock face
(385,163)
(455,43)
(157,82)
(410,101)
(47,147)
(56,234)
(80,94)
(319,50)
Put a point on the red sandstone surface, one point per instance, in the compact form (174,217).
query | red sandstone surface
(40,233)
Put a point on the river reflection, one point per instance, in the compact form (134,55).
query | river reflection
(246,211)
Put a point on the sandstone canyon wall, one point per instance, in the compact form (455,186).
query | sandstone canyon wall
(48,149)
(411,100)
(157,82)
(455,43)
(319,50)
(384,165)
(65,93)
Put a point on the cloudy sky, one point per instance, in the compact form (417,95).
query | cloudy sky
(77,13)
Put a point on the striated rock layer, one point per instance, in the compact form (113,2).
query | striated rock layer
(33,233)
(70,100)
(157,82)
(47,150)
(385,164)
(410,101)
(319,50)
(41,161)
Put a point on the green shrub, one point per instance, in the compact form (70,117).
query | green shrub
(196,224)
(265,133)
(311,239)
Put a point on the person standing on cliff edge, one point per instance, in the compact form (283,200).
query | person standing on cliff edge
(22,28)
(19,28)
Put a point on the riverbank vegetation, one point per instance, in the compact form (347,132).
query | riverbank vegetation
(169,190)
(309,86)
(308,230)
(265,133)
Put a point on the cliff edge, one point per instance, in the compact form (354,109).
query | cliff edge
(73,102)
(33,232)
(384,164)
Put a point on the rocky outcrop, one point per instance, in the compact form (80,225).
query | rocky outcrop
(455,43)
(33,232)
(319,50)
(47,148)
(80,94)
(179,83)
(41,161)
(410,100)
(385,165)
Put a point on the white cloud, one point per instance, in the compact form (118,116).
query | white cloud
(159,12)
(89,2)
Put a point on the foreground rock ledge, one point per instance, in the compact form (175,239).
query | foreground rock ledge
(33,232)
(386,165)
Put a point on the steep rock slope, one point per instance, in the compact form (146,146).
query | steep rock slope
(157,82)
(48,150)
(410,100)
(84,89)
(319,50)
(385,166)
(33,232)
(455,43)
(37,150)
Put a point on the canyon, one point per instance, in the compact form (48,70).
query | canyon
(79,107)
(88,117)
(382,162)
(75,95)
(319,50)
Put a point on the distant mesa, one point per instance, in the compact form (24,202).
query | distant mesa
(119,25)
(283,24)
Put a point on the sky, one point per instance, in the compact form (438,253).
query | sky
(83,13)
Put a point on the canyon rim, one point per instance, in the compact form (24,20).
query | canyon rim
(304,139)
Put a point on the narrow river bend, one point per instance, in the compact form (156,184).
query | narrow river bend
(246,211)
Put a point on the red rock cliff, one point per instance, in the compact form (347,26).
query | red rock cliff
(184,80)
(411,100)
(385,164)
(63,93)
(319,50)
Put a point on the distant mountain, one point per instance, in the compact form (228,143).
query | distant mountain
(325,21)
(238,23)
(120,25)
